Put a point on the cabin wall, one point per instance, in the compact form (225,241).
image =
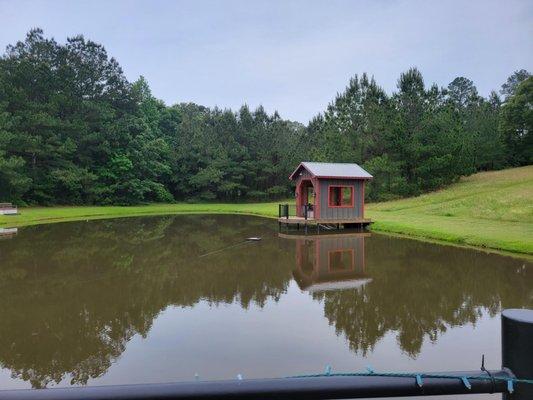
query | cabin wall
(328,245)
(356,211)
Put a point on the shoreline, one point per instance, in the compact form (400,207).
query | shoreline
(32,216)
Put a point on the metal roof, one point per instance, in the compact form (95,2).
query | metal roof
(333,170)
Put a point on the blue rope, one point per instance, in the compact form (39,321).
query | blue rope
(466,383)
(419,377)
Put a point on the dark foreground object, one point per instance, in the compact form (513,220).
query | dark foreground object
(333,387)
(517,363)
(517,349)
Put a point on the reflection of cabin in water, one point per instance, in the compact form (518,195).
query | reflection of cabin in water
(328,194)
(330,262)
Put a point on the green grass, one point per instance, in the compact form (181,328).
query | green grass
(44,215)
(491,209)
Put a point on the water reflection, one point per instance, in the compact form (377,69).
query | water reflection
(420,291)
(73,295)
(7,233)
(330,262)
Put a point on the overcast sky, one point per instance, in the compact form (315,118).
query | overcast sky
(293,56)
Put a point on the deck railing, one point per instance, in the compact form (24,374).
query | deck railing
(290,210)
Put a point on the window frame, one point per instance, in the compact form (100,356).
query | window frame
(352,202)
(352,264)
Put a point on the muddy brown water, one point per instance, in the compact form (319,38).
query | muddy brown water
(159,299)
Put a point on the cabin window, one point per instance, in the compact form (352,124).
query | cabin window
(340,196)
(341,260)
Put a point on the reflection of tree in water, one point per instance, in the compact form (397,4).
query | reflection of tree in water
(72,295)
(419,290)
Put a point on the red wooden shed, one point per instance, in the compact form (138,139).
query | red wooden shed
(329,193)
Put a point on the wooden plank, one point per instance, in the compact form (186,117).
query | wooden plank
(301,220)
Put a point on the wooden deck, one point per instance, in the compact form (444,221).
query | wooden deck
(312,221)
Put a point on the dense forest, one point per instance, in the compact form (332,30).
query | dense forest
(74,130)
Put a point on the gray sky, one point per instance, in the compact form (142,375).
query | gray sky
(293,56)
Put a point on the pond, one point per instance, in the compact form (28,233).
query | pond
(158,299)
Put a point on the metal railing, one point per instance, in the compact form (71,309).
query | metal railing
(331,387)
(515,380)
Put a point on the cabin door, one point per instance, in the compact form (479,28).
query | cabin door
(307,198)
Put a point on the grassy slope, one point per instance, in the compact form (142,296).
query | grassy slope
(491,209)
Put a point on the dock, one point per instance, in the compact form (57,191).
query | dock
(292,220)
(288,220)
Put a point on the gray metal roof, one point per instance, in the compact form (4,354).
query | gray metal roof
(334,170)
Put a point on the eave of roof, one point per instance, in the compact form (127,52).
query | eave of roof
(308,166)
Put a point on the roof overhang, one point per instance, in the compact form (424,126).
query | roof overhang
(318,176)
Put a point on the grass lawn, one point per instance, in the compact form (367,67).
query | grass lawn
(490,209)
(44,215)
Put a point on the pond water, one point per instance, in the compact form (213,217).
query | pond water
(160,299)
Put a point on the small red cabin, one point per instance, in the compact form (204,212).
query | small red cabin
(330,192)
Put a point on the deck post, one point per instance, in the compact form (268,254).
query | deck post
(517,349)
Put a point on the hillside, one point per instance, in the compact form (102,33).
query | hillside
(489,209)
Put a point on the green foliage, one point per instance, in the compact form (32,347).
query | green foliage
(517,124)
(420,139)
(509,87)
(73,130)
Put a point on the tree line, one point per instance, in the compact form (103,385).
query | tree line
(74,130)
